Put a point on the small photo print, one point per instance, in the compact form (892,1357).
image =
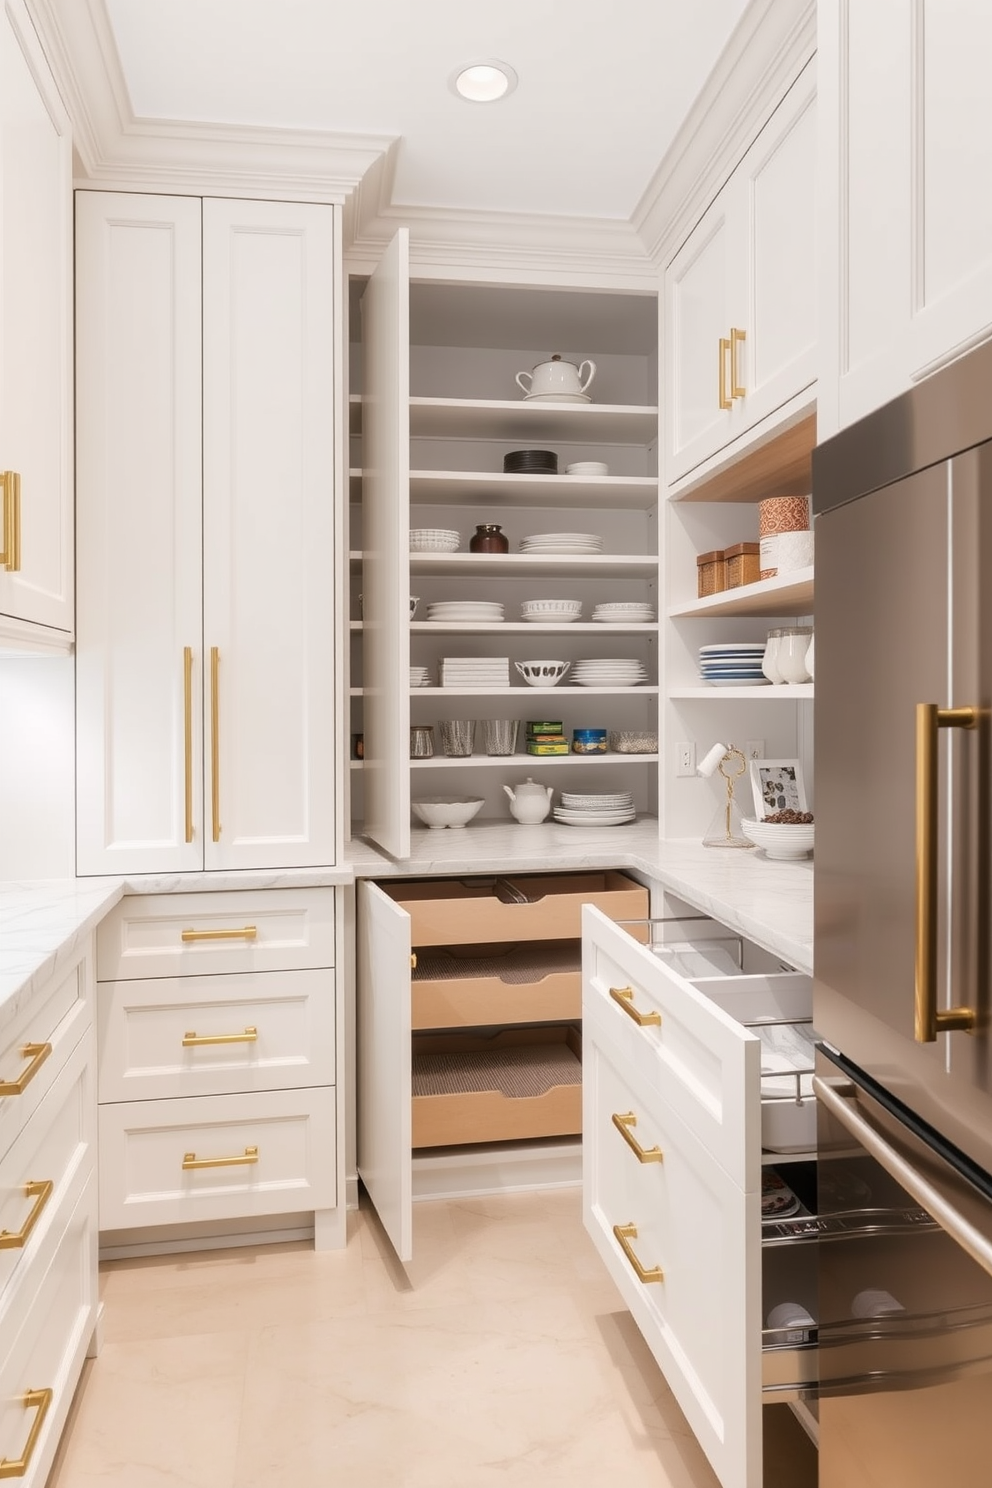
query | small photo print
(777,785)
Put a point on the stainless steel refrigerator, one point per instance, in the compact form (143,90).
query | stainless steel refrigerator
(903,938)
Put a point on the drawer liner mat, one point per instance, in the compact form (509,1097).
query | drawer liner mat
(528,1070)
(515,967)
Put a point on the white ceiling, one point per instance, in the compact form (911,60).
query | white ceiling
(603,86)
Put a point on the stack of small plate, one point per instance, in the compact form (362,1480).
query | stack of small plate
(609,671)
(567,544)
(434,540)
(475,671)
(420,676)
(732,663)
(551,611)
(465,612)
(624,612)
(578,809)
(530,462)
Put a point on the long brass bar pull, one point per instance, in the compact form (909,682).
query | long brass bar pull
(35,1054)
(188,736)
(624,1234)
(10,558)
(215,742)
(41,1192)
(737,389)
(625,997)
(36,1400)
(623,1121)
(192,1163)
(930,1020)
(247,932)
(199,1040)
(725,401)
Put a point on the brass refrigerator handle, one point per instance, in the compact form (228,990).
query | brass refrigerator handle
(623,1121)
(188,736)
(929,1020)
(10,558)
(36,1400)
(737,390)
(725,402)
(214,743)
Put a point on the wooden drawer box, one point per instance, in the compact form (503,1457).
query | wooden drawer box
(270,1152)
(35,1047)
(261,930)
(273,1030)
(468,911)
(498,985)
(524,1083)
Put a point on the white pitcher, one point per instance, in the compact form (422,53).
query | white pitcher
(556,379)
(529,802)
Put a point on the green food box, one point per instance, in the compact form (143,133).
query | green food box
(533,748)
(544,728)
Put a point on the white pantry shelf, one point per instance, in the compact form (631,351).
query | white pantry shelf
(468,488)
(536,761)
(484,418)
(524,627)
(772,693)
(534,565)
(785,594)
(536,692)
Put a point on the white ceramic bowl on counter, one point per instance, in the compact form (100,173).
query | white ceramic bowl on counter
(447,811)
(780,839)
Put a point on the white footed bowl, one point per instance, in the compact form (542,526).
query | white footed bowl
(780,839)
(542,673)
(447,811)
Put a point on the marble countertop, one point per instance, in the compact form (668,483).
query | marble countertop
(43,922)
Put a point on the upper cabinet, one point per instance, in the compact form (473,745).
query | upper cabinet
(205,640)
(740,295)
(35,344)
(907,250)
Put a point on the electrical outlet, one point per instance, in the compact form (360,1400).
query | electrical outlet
(755,749)
(685,759)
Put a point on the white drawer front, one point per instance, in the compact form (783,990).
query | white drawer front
(39,1168)
(275,1032)
(263,930)
(706,1066)
(48,1329)
(283,1141)
(36,1047)
(685,1216)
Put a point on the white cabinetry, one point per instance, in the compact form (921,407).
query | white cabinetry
(904,154)
(35,344)
(205,659)
(740,294)
(48,1279)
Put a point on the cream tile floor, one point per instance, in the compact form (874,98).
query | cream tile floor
(502,1355)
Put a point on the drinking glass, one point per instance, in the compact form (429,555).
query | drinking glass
(501,735)
(769,662)
(457,736)
(421,741)
(790,658)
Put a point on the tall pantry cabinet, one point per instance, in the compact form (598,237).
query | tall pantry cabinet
(205,475)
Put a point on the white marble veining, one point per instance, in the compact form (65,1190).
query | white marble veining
(42,923)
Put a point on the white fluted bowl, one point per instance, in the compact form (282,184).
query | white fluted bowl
(780,839)
(447,811)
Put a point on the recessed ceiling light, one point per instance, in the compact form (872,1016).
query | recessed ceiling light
(483,82)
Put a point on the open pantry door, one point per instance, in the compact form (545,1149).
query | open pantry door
(386,544)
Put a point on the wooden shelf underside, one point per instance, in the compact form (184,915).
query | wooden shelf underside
(781,465)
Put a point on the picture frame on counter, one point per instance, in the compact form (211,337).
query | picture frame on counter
(777,785)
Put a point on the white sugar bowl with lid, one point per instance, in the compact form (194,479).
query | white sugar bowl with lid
(557,379)
(529,802)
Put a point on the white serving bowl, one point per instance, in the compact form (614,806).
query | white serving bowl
(780,839)
(542,673)
(447,811)
(434,540)
(551,609)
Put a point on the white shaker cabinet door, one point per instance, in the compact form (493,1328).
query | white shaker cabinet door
(268,533)
(139,618)
(698,311)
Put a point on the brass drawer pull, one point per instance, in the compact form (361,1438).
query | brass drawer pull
(36,1054)
(197,1040)
(191,1162)
(247,932)
(737,389)
(623,1123)
(10,558)
(725,402)
(625,997)
(624,1234)
(36,1400)
(41,1192)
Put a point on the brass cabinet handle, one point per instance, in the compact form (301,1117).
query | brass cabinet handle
(188,736)
(625,997)
(198,1040)
(35,1054)
(623,1123)
(725,402)
(247,932)
(215,741)
(10,558)
(737,389)
(191,1162)
(624,1234)
(929,1020)
(41,1193)
(36,1400)
(413,960)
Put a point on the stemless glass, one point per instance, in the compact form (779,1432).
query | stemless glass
(501,735)
(457,736)
(769,662)
(421,741)
(790,658)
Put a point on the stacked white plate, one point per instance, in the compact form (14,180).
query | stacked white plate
(466,611)
(732,663)
(560,610)
(562,544)
(420,676)
(579,809)
(475,671)
(609,671)
(624,612)
(434,540)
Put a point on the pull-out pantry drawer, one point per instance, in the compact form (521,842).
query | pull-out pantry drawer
(501,984)
(219,1035)
(36,1046)
(170,935)
(216,1157)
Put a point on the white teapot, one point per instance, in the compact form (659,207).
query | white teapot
(556,379)
(529,802)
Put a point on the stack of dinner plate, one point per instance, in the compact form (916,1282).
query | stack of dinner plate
(609,671)
(465,611)
(562,544)
(732,663)
(475,671)
(624,612)
(583,809)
